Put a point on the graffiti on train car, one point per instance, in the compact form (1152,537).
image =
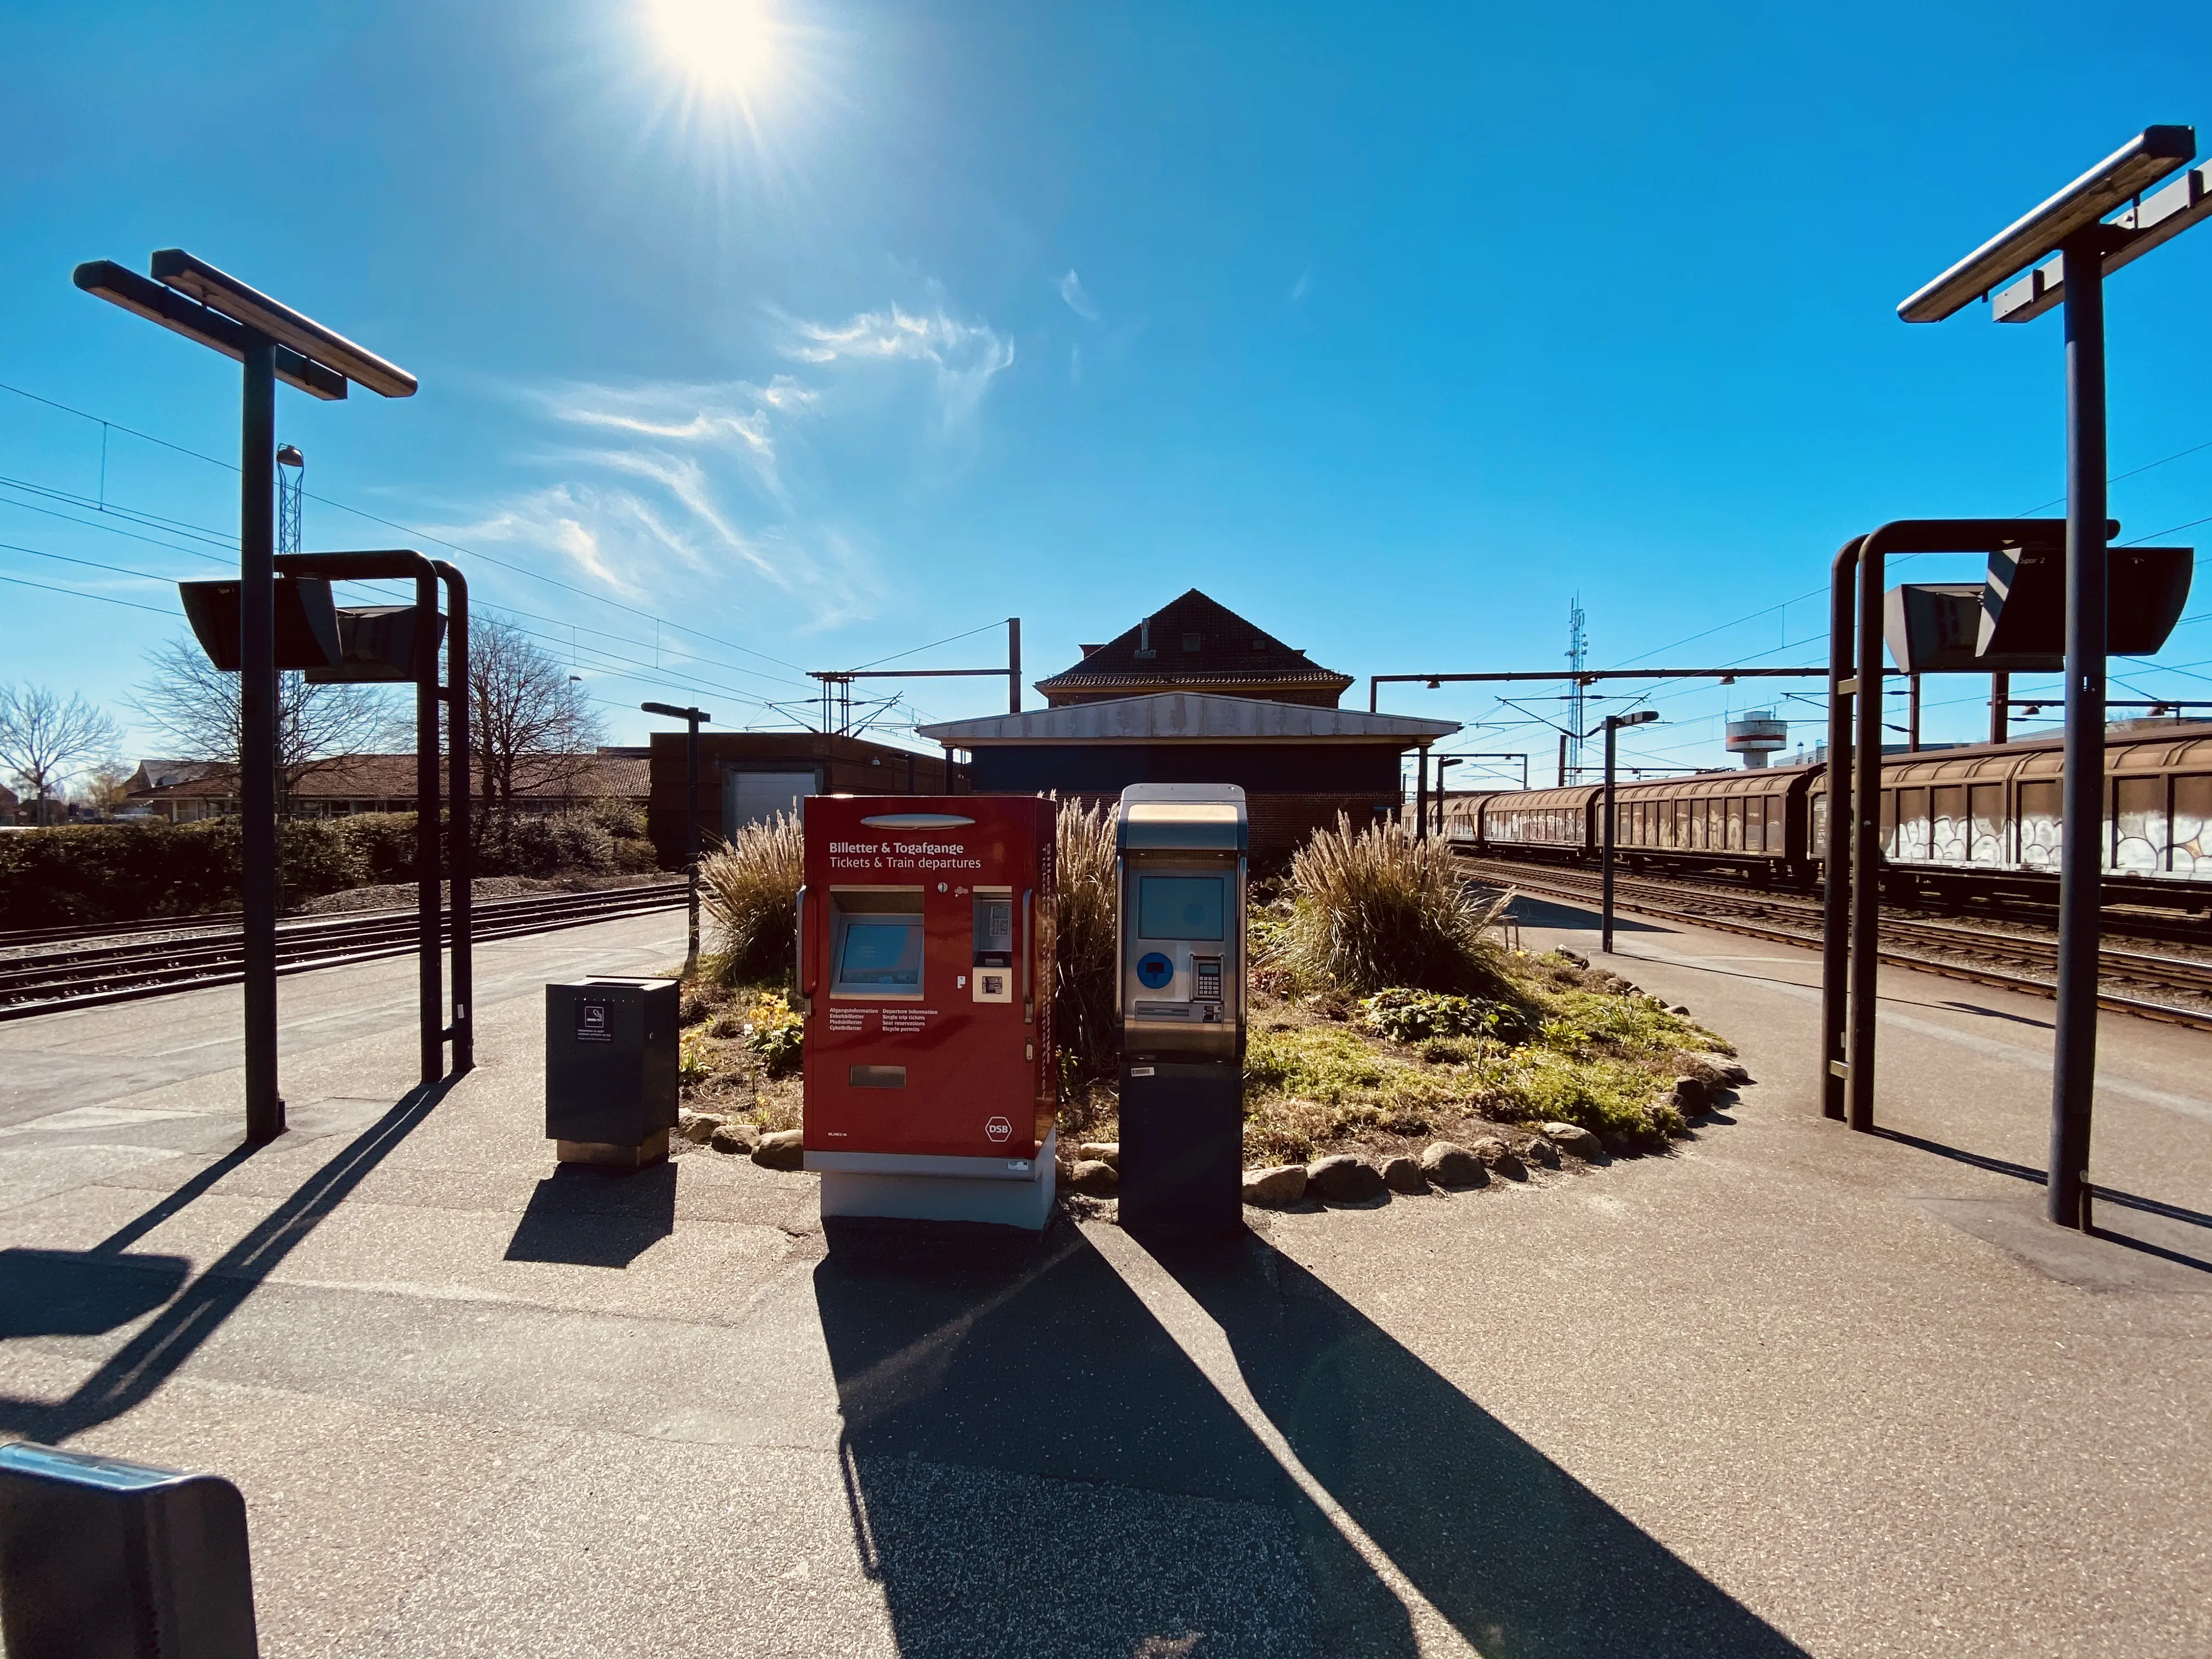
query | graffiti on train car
(1972,813)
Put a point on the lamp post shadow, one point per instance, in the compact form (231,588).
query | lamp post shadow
(1520,1556)
(1035,1468)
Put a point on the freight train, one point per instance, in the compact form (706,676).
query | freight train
(1972,822)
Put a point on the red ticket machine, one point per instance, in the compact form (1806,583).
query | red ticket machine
(925,973)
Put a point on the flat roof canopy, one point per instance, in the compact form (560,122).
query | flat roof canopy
(1186,717)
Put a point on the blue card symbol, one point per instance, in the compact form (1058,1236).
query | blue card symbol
(1154,970)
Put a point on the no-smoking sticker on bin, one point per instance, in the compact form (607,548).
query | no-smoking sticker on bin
(998,1131)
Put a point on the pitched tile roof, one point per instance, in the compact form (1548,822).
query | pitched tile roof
(1195,643)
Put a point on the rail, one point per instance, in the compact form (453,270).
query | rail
(49,982)
(1790,921)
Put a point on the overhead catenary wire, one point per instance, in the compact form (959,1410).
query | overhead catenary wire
(409,530)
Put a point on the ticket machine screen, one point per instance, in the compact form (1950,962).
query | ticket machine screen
(1180,906)
(880,954)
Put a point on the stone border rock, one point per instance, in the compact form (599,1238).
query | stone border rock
(1348,1178)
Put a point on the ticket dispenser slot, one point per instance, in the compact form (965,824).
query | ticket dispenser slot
(991,978)
(1181,1001)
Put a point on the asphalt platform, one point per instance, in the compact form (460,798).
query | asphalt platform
(1787,1390)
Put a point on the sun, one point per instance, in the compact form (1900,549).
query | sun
(729,47)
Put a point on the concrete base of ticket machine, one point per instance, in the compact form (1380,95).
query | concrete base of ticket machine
(925,929)
(1015,1192)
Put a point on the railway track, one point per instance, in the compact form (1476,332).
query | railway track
(90,975)
(2016,961)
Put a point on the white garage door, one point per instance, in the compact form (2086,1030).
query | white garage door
(756,796)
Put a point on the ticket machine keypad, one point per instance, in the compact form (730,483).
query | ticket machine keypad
(1205,988)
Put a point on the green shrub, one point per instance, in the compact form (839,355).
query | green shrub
(318,857)
(749,887)
(775,1033)
(1373,909)
(104,873)
(384,843)
(544,844)
(695,1062)
(624,820)
(1404,1015)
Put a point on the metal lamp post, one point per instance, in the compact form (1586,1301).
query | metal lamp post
(692,717)
(2073,225)
(1611,725)
(274,343)
(1443,761)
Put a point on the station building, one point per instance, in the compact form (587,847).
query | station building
(1196,694)
(1192,693)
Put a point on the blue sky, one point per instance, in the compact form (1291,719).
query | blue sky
(1392,327)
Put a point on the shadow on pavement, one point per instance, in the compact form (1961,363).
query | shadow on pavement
(2100,1196)
(149,1359)
(1036,1468)
(1518,1555)
(1573,918)
(82,1292)
(591,1217)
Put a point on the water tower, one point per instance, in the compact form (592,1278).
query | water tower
(1755,734)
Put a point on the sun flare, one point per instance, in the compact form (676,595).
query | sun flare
(725,46)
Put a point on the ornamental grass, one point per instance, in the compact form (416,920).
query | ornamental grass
(749,888)
(1373,909)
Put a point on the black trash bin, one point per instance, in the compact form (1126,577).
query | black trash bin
(611,1060)
(124,1560)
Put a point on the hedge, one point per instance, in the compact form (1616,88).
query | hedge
(99,872)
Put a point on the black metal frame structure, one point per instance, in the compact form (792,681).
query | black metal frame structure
(1610,724)
(1851,899)
(406,564)
(693,719)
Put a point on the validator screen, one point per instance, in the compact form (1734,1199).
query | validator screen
(1180,906)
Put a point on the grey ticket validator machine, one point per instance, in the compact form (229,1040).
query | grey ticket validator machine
(1179,1000)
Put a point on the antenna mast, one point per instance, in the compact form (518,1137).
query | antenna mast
(1577,659)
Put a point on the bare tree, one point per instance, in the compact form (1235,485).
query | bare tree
(531,728)
(105,788)
(194,705)
(44,741)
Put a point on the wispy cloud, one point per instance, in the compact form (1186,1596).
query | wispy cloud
(737,419)
(1299,289)
(1078,301)
(728,492)
(965,355)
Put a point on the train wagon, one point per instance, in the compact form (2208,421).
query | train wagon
(1962,821)
(1955,820)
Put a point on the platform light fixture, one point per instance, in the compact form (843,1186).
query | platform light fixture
(220,291)
(189,297)
(119,286)
(2114,182)
(2073,225)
